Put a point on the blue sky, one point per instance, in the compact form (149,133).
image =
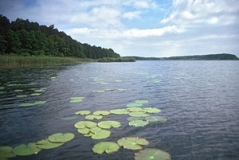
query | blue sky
(149,28)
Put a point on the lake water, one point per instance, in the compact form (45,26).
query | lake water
(200,100)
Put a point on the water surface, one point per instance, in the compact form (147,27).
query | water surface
(199,99)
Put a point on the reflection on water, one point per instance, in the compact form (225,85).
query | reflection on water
(199,99)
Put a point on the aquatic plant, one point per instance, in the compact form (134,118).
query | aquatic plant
(119,111)
(109,124)
(83,112)
(76,99)
(107,147)
(60,137)
(101,112)
(152,110)
(102,134)
(138,114)
(156,119)
(152,154)
(6,152)
(92,117)
(85,124)
(26,149)
(138,123)
(32,104)
(46,144)
(133,143)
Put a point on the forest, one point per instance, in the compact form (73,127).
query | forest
(221,56)
(25,38)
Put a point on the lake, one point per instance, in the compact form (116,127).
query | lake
(199,99)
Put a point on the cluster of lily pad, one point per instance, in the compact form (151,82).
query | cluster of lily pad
(138,117)
(53,141)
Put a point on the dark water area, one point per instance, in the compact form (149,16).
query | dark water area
(200,100)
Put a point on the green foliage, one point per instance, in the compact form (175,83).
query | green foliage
(25,38)
(108,59)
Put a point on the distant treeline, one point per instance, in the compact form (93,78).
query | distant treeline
(222,56)
(116,60)
(21,37)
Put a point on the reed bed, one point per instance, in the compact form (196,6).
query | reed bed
(6,61)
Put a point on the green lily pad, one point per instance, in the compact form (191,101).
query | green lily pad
(133,118)
(60,137)
(109,124)
(92,117)
(133,143)
(156,119)
(26,149)
(138,114)
(122,89)
(95,130)
(101,135)
(83,112)
(83,130)
(103,113)
(142,101)
(152,154)
(134,109)
(119,111)
(134,105)
(138,123)
(152,110)
(108,147)
(46,144)
(6,152)
(84,124)
(76,99)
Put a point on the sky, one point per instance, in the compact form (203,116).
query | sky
(147,28)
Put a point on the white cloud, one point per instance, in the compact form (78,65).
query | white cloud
(132,15)
(188,12)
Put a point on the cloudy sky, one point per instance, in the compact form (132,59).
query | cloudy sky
(149,28)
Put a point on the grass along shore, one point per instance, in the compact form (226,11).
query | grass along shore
(11,61)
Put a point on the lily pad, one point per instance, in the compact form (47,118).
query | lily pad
(138,114)
(26,149)
(103,113)
(156,119)
(60,137)
(138,123)
(119,111)
(84,124)
(46,144)
(6,152)
(134,105)
(133,143)
(76,99)
(83,112)
(83,130)
(152,154)
(92,117)
(133,118)
(152,110)
(101,135)
(109,124)
(134,109)
(107,147)
(142,101)
(95,130)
